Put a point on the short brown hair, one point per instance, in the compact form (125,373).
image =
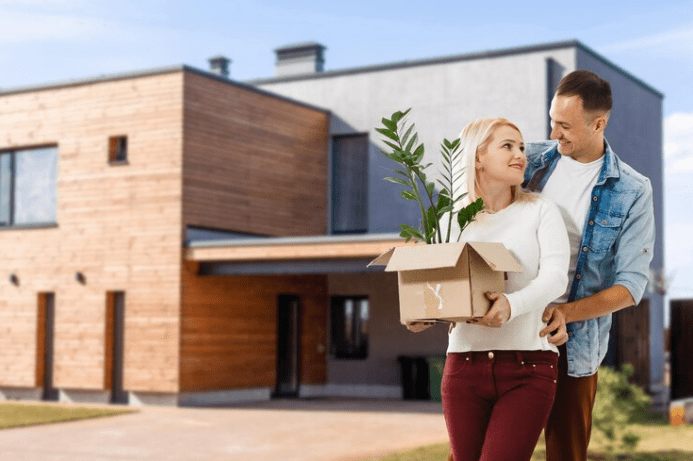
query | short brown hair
(594,91)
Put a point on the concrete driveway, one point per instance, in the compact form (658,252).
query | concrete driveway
(279,430)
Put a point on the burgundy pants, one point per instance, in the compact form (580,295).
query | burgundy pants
(496,402)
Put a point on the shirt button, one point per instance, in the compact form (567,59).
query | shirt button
(570,334)
(604,222)
(490,355)
(591,223)
(584,248)
(578,276)
(594,199)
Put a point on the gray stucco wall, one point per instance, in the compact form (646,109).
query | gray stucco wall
(387,339)
(444,97)
(635,133)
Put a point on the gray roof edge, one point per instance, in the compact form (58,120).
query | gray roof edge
(91,80)
(619,69)
(303,240)
(422,62)
(151,72)
(461,57)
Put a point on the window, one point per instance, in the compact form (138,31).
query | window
(28,181)
(118,149)
(349,317)
(554,74)
(350,184)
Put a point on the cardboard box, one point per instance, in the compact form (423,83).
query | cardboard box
(447,281)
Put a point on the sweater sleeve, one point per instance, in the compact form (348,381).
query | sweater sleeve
(554,258)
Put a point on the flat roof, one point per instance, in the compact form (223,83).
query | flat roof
(460,57)
(149,73)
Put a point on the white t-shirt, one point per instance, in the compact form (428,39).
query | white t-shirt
(535,234)
(570,188)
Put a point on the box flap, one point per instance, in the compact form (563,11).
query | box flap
(417,257)
(496,256)
(383,259)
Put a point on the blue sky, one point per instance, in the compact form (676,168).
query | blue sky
(44,41)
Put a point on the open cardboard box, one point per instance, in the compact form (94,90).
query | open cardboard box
(447,281)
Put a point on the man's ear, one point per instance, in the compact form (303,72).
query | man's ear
(599,123)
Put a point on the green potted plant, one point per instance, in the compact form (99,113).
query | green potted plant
(437,207)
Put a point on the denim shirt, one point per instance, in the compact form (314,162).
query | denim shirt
(616,246)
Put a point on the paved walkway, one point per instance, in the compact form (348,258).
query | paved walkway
(280,430)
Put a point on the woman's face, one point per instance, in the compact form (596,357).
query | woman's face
(503,160)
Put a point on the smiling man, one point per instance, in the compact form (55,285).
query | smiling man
(608,211)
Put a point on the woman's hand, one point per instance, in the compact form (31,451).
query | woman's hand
(499,312)
(418,327)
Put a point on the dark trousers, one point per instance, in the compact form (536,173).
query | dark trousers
(496,403)
(569,425)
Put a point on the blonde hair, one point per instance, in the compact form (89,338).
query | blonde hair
(476,137)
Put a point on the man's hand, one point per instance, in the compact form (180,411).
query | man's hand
(556,329)
(418,327)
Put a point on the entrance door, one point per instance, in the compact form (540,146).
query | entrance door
(45,335)
(115,329)
(288,321)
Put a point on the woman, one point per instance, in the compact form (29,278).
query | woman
(500,375)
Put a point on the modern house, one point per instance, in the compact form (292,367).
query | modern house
(174,236)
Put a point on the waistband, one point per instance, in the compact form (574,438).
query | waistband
(515,356)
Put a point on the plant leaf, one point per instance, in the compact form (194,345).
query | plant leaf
(392,126)
(398,181)
(388,133)
(408,195)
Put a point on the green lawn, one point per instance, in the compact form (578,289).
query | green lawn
(17,415)
(659,442)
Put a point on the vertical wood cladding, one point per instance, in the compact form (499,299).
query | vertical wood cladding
(229,330)
(252,163)
(120,225)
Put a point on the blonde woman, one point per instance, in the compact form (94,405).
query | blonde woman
(499,380)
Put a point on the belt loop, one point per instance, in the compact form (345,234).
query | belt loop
(520,357)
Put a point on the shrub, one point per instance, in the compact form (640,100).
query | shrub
(617,405)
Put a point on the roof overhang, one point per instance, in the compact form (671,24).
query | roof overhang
(291,255)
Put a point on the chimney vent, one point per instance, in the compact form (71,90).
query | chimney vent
(301,58)
(219,65)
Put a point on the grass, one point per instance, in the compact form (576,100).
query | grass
(659,442)
(19,415)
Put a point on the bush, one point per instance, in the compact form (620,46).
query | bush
(617,405)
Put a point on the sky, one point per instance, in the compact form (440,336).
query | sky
(46,41)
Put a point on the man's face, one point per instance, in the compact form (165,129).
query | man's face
(574,128)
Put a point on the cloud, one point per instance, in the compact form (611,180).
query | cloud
(26,26)
(678,39)
(678,143)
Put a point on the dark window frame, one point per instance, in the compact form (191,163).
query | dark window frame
(10,221)
(335,220)
(118,150)
(349,341)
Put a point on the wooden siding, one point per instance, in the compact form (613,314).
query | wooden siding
(120,225)
(681,348)
(229,330)
(253,163)
(632,328)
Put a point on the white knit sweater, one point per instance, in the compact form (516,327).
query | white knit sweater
(535,234)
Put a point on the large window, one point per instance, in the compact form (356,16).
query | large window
(350,183)
(349,317)
(28,180)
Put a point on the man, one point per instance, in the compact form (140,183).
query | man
(608,211)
